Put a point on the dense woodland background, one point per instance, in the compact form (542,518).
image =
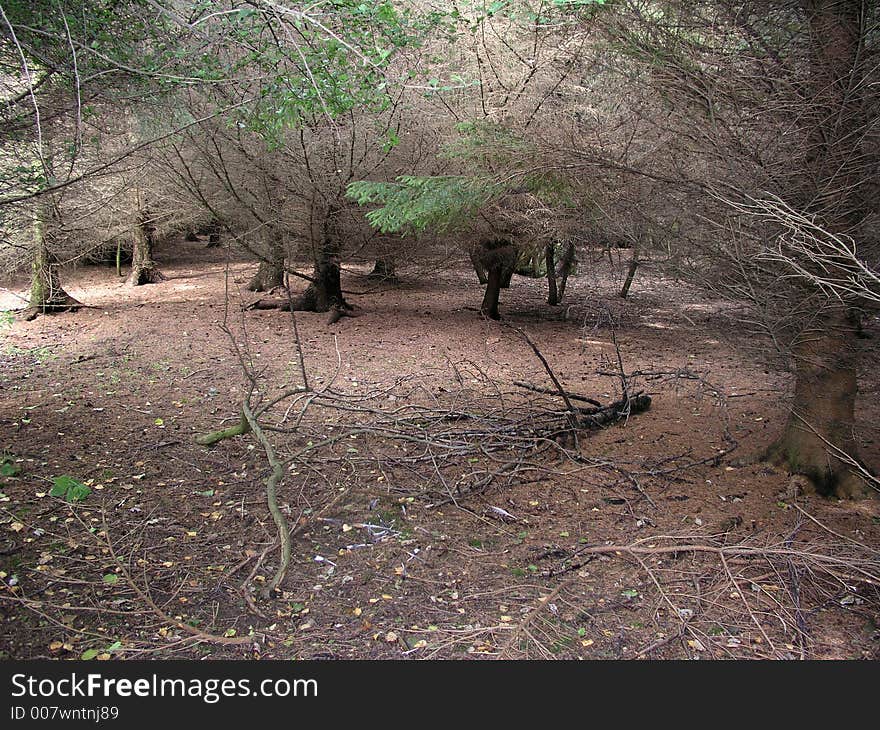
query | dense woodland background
(525,174)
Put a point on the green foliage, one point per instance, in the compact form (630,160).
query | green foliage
(8,467)
(413,203)
(123,36)
(69,489)
(337,65)
(291,63)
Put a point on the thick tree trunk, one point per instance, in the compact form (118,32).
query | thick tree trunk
(818,440)
(47,296)
(384,270)
(143,268)
(324,292)
(270,273)
(552,289)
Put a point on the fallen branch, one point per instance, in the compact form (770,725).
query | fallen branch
(606,415)
(213,437)
(553,391)
(272,500)
(147,599)
(572,410)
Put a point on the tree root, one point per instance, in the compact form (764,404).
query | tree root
(145,273)
(336,312)
(282,305)
(63,303)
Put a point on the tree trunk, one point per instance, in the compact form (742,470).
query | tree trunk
(494,282)
(324,292)
(270,274)
(143,268)
(552,290)
(818,439)
(384,270)
(47,296)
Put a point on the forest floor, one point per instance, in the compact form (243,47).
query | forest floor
(439,509)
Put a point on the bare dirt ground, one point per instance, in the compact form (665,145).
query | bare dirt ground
(439,511)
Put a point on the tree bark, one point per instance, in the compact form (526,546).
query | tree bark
(270,273)
(324,292)
(212,231)
(498,259)
(143,268)
(507,271)
(47,296)
(818,440)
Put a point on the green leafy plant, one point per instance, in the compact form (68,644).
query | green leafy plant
(69,489)
(8,468)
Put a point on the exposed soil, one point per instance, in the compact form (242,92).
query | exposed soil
(491,547)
